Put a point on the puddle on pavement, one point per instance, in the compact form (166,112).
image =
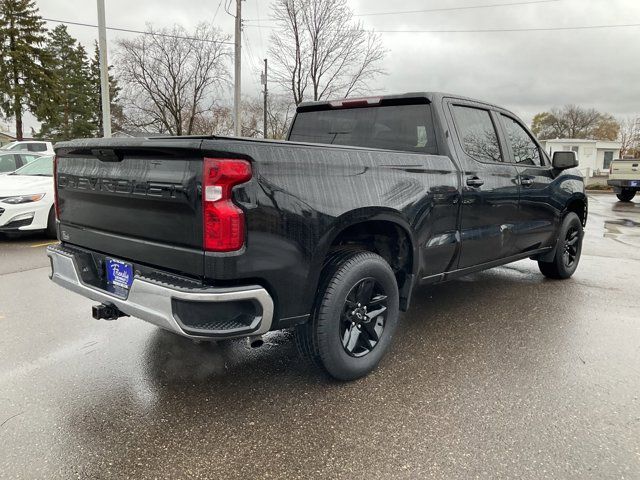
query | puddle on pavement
(621,226)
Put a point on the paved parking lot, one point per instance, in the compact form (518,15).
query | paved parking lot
(500,374)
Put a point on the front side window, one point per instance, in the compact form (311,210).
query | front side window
(9,146)
(477,133)
(8,163)
(525,150)
(18,147)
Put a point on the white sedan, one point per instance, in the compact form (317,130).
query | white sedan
(27,198)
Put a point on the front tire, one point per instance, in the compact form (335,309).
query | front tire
(355,317)
(568,250)
(626,195)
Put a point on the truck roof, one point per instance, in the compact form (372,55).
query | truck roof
(427,97)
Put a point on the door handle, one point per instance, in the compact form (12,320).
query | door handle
(526,182)
(475,182)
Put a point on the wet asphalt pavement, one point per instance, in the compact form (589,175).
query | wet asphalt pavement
(501,374)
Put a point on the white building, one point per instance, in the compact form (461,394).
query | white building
(594,156)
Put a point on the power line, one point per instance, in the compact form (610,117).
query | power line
(431,10)
(217,10)
(260,30)
(451,9)
(117,29)
(496,30)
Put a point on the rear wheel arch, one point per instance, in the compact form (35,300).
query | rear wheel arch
(384,234)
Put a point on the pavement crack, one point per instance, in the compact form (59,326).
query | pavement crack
(10,418)
(24,270)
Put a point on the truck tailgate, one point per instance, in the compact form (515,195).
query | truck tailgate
(625,170)
(139,203)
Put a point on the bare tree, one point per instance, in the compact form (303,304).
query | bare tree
(280,112)
(219,120)
(216,121)
(170,78)
(319,51)
(629,136)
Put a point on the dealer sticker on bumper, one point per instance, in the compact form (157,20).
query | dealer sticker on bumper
(119,273)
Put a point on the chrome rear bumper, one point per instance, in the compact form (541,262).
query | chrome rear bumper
(155,301)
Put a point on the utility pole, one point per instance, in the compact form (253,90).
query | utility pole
(264,82)
(238,71)
(104,71)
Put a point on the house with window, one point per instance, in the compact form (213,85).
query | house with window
(6,138)
(594,156)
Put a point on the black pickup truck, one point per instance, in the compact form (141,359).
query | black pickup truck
(328,232)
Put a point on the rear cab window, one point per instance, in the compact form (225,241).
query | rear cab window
(391,127)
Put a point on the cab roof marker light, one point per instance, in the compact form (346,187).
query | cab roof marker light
(356,102)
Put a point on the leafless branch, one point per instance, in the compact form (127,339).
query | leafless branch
(319,51)
(169,82)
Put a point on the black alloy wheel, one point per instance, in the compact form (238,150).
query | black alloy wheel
(363,317)
(571,246)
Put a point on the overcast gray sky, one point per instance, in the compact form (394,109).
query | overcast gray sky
(527,72)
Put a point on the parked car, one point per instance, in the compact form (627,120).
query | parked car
(329,232)
(30,146)
(624,177)
(10,162)
(27,198)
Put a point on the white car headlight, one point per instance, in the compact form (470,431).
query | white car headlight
(23,199)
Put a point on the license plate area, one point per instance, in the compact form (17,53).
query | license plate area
(119,276)
(634,183)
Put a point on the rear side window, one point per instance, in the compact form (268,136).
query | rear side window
(37,147)
(393,127)
(477,133)
(525,151)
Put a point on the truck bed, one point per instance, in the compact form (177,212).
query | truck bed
(139,200)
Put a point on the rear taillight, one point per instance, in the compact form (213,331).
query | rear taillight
(55,187)
(222,220)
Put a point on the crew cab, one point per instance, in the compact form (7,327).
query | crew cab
(624,177)
(327,232)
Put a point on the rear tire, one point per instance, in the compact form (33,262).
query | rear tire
(51,225)
(568,250)
(355,317)
(626,195)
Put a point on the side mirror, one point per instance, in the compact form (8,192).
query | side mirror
(564,159)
